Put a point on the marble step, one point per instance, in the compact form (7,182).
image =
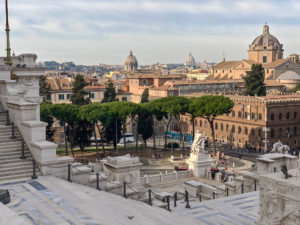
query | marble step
(13,155)
(19,176)
(11,149)
(13,172)
(16,164)
(17,168)
(11,161)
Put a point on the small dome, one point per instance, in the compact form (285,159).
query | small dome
(190,60)
(131,62)
(266,39)
(289,75)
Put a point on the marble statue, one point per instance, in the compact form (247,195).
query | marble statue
(199,160)
(278,147)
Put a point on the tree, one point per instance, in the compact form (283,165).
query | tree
(145,96)
(81,130)
(176,106)
(79,95)
(254,81)
(96,114)
(67,115)
(194,109)
(295,89)
(109,94)
(213,106)
(44,89)
(46,117)
(121,111)
(145,122)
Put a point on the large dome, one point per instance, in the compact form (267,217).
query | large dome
(131,62)
(190,60)
(266,39)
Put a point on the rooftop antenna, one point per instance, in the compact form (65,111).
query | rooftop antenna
(8,54)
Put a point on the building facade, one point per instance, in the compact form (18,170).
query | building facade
(255,122)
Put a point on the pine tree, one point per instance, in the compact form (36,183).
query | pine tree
(110,93)
(79,95)
(254,81)
(44,89)
(145,96)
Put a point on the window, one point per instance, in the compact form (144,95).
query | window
(69,96)
(233,128)
(259,133)
(287,115)
(92,95)
(295,131)
(222,128)
(200,123)
(61,96)
(205,124)
(246,130)
(49,97)
(272,116)
(295,115)
(272,133)
(259,116)
(196,123)
(62,135)
(239,129)
(216,126)
(227,127)
(280,116)
(240,141)
(265,59)
(295,142)
(280,132)
(246,115)
(252,132)
(253,116)
(233,114)
(124,99)
(240,114)
(288,132)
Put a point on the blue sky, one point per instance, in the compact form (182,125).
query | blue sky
(165,31)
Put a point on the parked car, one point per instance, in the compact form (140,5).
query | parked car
(129,138)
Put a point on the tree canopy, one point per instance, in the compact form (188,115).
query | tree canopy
(79,95)
(110,93)
(254,81)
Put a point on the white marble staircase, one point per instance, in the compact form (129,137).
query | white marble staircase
(11,165)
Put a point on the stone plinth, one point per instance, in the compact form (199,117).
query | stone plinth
(279,201)
(123,168)
(200,165)
(270,163)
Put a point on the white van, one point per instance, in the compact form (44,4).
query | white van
(129,138)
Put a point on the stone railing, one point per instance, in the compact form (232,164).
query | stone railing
(165,177)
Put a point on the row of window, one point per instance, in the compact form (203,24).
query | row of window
(287,116)
(287,132)
(62,96)
(253,115)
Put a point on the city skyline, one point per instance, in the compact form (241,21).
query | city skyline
(92,31)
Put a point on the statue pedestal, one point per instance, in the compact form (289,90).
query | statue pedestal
(199,164)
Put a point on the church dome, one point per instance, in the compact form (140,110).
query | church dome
(131,62)
(266,39)
(190,60)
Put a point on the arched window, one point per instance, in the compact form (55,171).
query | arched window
(295,115)
(240,114)
(260,116)
(272,133)
(216,126)
(280,116)
(246,130)
(287,115)
(222,128)
(233,114)
(252,132)
(272,116)
(239,129)
(233,129)
(280,132)
(253,116)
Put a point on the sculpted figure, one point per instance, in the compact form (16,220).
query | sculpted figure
(278,147)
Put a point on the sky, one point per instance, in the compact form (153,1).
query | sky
(103,31)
